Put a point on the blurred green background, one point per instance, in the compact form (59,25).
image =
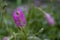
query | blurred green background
(37,28)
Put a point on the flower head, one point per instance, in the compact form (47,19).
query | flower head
(49,19)
(19,17)
(5,38)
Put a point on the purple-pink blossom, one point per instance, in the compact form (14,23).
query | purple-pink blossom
(19,17)
(49,19)
(5,38)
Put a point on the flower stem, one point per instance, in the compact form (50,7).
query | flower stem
(41,10)
(25,35)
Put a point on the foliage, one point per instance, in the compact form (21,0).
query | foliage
(37,27)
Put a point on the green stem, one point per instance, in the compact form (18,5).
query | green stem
(40,31)
(15,37)
(25,35)
(41,10)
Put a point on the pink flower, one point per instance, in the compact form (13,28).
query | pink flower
(49,19)
(19,17)
(5,38)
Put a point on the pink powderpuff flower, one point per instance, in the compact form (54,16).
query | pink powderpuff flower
(19,17)
(49,19)
(5,38)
